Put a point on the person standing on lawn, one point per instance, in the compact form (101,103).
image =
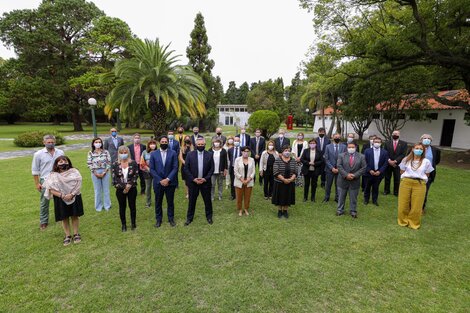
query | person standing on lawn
(99,163)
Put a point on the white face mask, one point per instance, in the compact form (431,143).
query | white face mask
(230,141)
(236,143)
(377,145)
(216,144)
(97,145)
(281,135)
(286,154)
(350,139)
(300,138)
(351,150)
(270,147)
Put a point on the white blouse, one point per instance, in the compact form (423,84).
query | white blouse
(216,156)
(412,172)
(125,172)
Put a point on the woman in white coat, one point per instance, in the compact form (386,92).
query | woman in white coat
(298,147)
(244,171)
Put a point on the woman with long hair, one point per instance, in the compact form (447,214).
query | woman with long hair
(99,163)
(145,168)
(185,149)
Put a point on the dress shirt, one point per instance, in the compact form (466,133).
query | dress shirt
(115,141)
(425,168)
(376,158)
(137,153)
(43,162)
(429,154)
(163,153)
(312,159)
(200,164)
(216,155)
(257,146)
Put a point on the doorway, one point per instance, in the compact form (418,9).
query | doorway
(447,133)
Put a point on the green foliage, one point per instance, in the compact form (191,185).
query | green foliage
(267,121)
(35,138)
(268,95)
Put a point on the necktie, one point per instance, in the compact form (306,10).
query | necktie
(257,144)
(243,140)
(351,160)
(336,151)
(321,144)
(394,146)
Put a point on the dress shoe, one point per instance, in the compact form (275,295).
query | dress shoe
(133,227)
(158,224)
(395,194)
(353,214)
(266,198)
(210,221)
(339,213)
(232,198)
(376,203)
(312,200)
(123,228)
(305,199)
(286,214)
(172,223)
(279,213)
(187,222)
(336,200)
(220,198)
(366,202)
(43,226)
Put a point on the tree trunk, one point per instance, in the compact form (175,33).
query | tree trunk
(76,119)
(158,121)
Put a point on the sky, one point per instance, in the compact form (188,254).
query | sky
(251,40)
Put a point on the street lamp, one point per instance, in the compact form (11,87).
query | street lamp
(92,103)
(118,120)
(306,118)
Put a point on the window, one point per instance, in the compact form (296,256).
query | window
(237,109)
(229,120)
(232,110)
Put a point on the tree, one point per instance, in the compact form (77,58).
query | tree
(242,93)
(231,95)
(150,80)
(198,54)
(267,121)
(268,95)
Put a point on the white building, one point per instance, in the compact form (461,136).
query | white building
(233,114)
(328,119)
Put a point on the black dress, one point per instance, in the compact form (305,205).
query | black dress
(63,210)
(184,154)
(284,194)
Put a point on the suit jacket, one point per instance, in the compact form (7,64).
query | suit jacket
(223,163)
(318,162)
(358,168)
(118,177)
(400,153)
(436,159)
(239,171)
(191,167)
(193,139)
(160,172)
(247,139)
(221,138)
(261,146)
(112,149)
(383,161)
(329,155)
(295,149)
(365,147)
(131,150)
(175,146)
(326,142)
(231,157)
(277,143)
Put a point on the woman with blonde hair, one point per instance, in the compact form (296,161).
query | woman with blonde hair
(414,170)
(244,171)
(185,149)
(228,144)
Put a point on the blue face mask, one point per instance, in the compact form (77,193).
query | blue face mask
(426,142)
(113,134)
(123,156)
(418,152)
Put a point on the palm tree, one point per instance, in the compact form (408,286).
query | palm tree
(152,81)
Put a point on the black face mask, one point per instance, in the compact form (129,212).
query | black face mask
(180,131)
(336,140)
(219,133)
(187,142)
(395,137)
(64,167)
(321,135)
(201,148)
(195,133)
(163,146)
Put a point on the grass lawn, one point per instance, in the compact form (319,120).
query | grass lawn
(312,262)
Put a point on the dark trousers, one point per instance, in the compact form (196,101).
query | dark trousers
(160,192)
(395,171)
(364,182)
(428,185)
(323,177)
(310,179)
(130,197)
(232,178)
(268,183)
(194,190)
(257,166)
(142,181)
(330,179)
(372,183)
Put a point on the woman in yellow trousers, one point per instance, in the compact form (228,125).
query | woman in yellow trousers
(414,169)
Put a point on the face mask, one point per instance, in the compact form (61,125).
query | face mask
(180,131)
(219,133)
(123,156)
(230,141)
(286,154)
(350,139)
(270,147)
(245,154)
(351,150)
(321,135)
(281,135)
(64,166)
(113,134)
(300,137)
(171,137)
(200,148)
(336,140)
(136,141)
(163,146)
(97,145)
(312,146)
(187,142)
(243,131)
(216,144)
(377,145)
(426,142)
(152,147)
(50,146)
(418,152)
(257,134)
(237,143)
(195,133)
(395,137)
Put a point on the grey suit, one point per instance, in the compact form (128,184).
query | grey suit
(358,168)
(111,147)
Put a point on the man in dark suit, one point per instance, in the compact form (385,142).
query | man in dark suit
(136,150)
(322,142)
(397,150)
(351,166)
(164,170)
(281,141)
(218,135)
(377,163)
(195,135)
(233,153)
(112,144)
(366,146)
(257,146)
(332,151)
(244,137)
(199,168)
(433,154)
(173,144)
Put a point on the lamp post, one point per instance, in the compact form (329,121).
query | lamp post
(306,118)
(92,103)
(118,120)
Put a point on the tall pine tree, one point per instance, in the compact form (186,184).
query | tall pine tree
(198,55)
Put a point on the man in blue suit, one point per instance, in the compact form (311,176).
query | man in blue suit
(199,167)
(173,144)
(377,162)
(332,151)
(164,170)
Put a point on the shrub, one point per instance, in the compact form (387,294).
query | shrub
(267,121)
(35,138)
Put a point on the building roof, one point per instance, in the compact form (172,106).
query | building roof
(231,105)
